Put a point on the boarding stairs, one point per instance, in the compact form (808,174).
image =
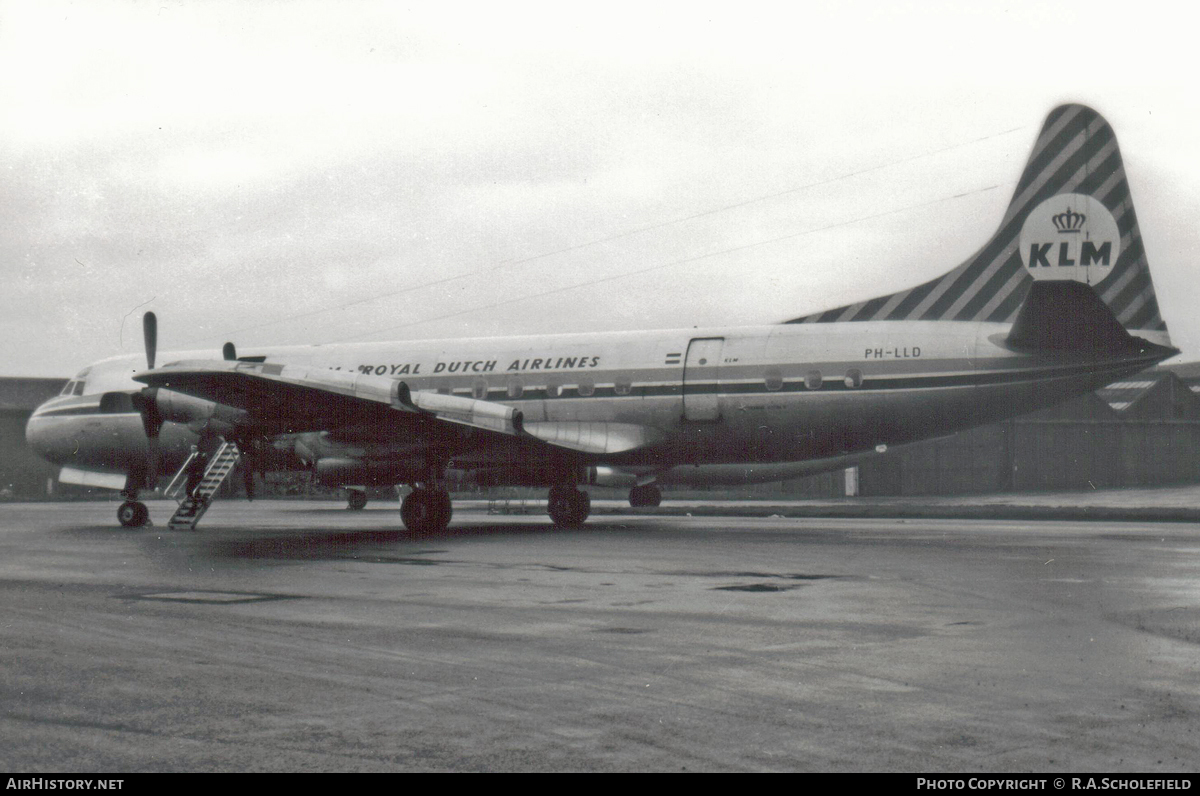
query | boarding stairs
(192,507)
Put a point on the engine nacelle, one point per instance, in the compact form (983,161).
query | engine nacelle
(174,407)
(607,476)
(516,475)
(179,408)
(338,471)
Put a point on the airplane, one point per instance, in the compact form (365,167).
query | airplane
(1057,303)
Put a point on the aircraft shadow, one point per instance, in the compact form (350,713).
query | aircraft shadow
(320,544)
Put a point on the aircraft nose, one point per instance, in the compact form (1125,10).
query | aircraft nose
(37,435)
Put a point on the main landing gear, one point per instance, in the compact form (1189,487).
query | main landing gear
(356,499)
(647,496)
(426,510)
(569,507)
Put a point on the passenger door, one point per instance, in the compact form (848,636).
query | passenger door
(701,381)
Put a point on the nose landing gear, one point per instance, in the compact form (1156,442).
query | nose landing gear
(133,514)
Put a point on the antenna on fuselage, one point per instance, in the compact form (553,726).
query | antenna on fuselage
(229,351)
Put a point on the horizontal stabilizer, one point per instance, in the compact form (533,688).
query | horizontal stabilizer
(1066,316)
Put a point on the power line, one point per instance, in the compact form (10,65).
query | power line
(528,296)
(607,239)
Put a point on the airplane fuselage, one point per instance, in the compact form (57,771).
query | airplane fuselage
(786,393)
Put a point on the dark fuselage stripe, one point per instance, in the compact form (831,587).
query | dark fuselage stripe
(72,410)
(833,384)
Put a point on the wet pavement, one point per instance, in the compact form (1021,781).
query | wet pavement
(302,636)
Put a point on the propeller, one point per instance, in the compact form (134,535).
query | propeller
(147,404)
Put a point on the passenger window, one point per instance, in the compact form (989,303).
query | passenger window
(623,387)
(553,389)
(854,378)
(515,388)
(586,387)
(812,380)
(774,379)
(479,389)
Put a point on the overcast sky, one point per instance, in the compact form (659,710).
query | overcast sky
(280,173)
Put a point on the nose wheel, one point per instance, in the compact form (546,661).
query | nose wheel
(133,514)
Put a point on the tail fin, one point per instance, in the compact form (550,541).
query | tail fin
(1071,218)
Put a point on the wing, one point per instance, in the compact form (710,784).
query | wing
(289,399)
(282,399)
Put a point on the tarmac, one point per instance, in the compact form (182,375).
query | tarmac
(302,636)
(1166,504)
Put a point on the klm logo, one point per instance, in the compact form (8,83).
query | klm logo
(1085,254)
(1070,236)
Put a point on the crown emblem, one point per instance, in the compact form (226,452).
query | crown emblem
(1069,221)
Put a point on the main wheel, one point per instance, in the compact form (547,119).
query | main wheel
(356,500)
(132,514)
(647,496)
(568,507)
(426,510)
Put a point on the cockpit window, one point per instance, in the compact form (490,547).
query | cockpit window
(75,386)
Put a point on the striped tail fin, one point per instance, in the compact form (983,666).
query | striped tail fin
(1071,217)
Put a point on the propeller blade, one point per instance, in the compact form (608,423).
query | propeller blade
(229,351)
(152,421)
(150,333)
(146,405)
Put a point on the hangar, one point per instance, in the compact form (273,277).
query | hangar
(1143,431)
(23,474)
